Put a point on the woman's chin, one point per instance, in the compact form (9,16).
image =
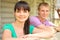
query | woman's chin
(22,20)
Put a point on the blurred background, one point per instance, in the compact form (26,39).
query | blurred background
(7,11)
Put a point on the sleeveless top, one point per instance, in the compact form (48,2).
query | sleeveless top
(11,28)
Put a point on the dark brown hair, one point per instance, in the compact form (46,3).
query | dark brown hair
(25,7)
(42,4)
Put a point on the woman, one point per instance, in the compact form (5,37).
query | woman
(19,29)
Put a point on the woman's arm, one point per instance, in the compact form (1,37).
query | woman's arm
(7,36)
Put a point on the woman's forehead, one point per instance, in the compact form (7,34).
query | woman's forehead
(22,8)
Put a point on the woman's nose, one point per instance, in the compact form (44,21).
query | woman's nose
(21,13)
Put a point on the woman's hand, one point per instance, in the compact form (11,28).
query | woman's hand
(29,37)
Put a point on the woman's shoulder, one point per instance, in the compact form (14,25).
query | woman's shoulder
(31,28)
(31,25)
(7,26)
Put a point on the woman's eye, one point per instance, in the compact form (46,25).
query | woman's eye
(25,11)
(17,10)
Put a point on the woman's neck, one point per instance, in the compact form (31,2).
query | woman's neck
(19,24)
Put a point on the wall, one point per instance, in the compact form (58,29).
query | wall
(6,12)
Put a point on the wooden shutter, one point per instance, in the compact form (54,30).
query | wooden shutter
(6,12)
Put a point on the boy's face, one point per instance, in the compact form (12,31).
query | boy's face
(43,12)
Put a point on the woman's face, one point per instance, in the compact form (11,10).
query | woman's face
(21,15)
